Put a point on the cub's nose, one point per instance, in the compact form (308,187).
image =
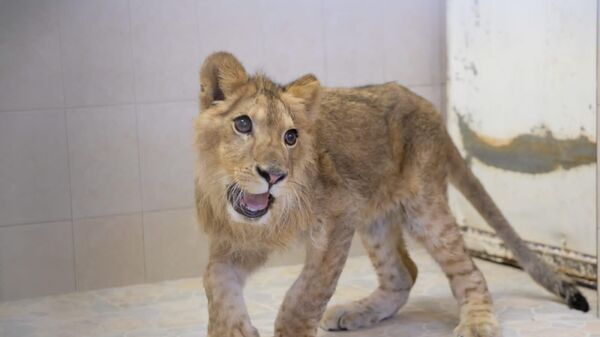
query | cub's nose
(272,175)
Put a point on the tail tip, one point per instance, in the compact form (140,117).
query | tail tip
(578,302)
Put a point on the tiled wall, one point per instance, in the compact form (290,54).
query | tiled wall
(96,103)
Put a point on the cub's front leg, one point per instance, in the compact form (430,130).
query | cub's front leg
(223,282)
(305,302)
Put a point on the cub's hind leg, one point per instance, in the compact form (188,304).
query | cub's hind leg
(429,220)
(396,273)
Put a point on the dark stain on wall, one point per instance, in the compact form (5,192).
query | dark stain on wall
(528,153)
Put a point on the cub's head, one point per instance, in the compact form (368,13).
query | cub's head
(255,144)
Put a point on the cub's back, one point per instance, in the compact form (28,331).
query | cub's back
(364,130)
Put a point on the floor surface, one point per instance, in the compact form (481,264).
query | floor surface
(178,308)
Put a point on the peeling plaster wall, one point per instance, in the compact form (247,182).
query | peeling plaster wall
(522,108)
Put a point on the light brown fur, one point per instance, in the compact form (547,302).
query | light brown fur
(374,159)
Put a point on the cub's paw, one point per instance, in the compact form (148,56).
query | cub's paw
(296,331)
(484,326)
(350,316)
(245,329)
(239,329)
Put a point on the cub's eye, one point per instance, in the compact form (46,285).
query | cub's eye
(243,124)
(290,137)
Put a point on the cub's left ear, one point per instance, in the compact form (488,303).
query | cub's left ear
(307,88)
(221,75)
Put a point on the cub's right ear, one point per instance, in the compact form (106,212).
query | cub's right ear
(221,74)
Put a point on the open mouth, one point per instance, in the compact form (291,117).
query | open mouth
(248,204)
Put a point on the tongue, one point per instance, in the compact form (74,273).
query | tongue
(256,202)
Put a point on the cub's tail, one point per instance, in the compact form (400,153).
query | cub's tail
(543,273)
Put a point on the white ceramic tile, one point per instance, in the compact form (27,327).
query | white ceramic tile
(109,251)
(96,52)
(435,94)
(414,41)
(34,178)
(175,247)
(30,75)
(353,42)
(36,260)
(233,26)
(165,49)
(166,154)
(293,39)
(104,161)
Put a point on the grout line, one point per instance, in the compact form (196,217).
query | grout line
(34,223)
(60,49)
(44,108)
(167,209)
(140,189)
(68,154)
(260,43)
(198,60)
(194,100)
(198,42)
(71,200)
(324,41)
(383,50)
(170,209)
(107,215)
(64,107)
(137,137)
(133,72)
(444,59)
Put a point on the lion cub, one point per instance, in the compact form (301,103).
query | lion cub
(276,162)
